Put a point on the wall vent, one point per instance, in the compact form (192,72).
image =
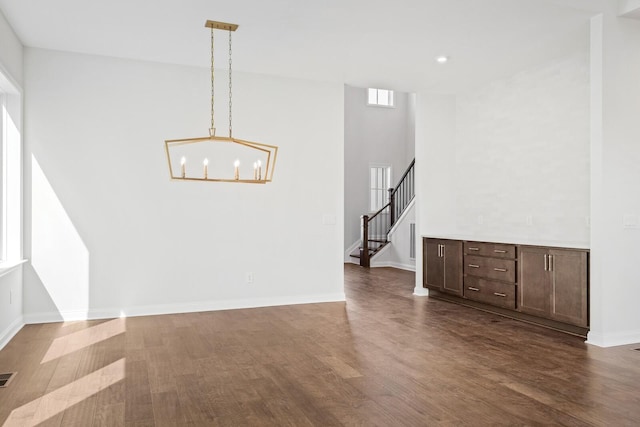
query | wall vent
(5,379)
(412,240)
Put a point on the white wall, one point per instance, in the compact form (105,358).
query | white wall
(372,135)
(108,232)
(509,160)
(435,171)
(11,320)
(410,148)
(615,204)
(10,51)
(522,155)
(10,83)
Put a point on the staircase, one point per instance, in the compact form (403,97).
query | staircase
(375,228)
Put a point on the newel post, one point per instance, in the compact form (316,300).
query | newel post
(364,247)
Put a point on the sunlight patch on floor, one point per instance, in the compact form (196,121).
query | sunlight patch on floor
(75,341)
(45,407)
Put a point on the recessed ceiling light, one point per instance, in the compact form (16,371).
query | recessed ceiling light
(442,59)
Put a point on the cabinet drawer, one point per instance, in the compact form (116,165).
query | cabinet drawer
(491,268)
(487,291)
(496,250)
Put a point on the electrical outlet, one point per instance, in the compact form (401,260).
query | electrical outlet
(249,277)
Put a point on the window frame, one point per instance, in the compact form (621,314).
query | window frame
(3,175)
(391,96)
(381,201)
(11,171)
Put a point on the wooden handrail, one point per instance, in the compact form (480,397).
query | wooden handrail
(379,212)
(404,175)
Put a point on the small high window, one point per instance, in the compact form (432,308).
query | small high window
(380,97)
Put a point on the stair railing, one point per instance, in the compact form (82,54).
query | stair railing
(403,193)
(375,228)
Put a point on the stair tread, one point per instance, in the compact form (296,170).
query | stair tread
(372,251)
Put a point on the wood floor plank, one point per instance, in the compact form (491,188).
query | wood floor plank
(383,358)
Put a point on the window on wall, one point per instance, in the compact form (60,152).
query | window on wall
(380,97)
(379,184)
(10,174)
(3,138)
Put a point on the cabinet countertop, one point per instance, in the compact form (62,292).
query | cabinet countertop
(513,241)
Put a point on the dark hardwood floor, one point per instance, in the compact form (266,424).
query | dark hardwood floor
(382,358)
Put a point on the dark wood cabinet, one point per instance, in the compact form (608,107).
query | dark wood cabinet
(490,273)
(490,292)
(443,265)
(544,285)
(553,284)
(533,281)
(433,271)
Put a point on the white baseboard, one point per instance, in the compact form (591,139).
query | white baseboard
(393,264)
(11,331)
(420,291)
(152,310)
(614,339)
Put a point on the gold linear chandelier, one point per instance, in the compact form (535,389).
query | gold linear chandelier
(220,158)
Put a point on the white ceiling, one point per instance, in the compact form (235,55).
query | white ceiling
(380,43)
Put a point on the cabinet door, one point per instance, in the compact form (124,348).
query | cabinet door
(452,267)
(569,286)
(433,265)
(534,281)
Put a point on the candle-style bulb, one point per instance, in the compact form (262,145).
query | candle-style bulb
(183,163)
(205,162)
(236,163)
(206,168)
(236,169)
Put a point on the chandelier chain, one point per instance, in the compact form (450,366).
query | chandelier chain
(230,88)
(213,123)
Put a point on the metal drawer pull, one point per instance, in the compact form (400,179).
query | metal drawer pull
(473,289)
(499,251)
(474,266)
(498,294)
(502,270)
(546,263)
(474,249)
